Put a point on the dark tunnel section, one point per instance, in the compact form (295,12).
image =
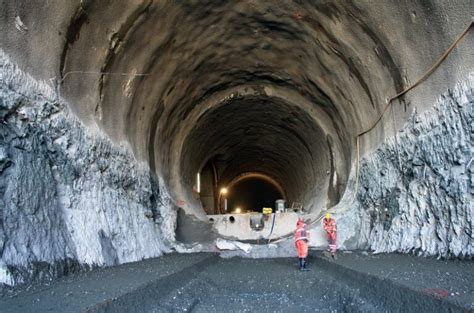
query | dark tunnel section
(252,195)
(260,135)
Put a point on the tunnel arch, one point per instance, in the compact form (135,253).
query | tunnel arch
(176,99)
(252,177)
(337,61)
(256,175)
(252,194)
(301,135)
(329,55)
(170,120)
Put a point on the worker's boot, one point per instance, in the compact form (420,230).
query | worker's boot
(303,267)
(300,264)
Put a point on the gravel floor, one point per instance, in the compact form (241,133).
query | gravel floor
(452,280)
(355,282)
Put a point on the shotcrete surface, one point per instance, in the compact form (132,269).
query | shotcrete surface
(207,283)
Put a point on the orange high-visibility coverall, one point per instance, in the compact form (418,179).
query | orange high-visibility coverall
(301,239)
(331,230)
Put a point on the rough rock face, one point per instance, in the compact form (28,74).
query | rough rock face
(68,196)
(416,190)
(191,82)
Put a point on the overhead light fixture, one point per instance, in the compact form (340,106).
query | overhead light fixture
(223,193)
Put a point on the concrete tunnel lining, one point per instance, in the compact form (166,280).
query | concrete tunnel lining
(155,110)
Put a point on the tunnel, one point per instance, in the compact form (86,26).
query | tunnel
(253,192)
(124,120)
(270,137)
(243,99)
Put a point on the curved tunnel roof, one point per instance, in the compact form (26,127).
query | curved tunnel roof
(279,88)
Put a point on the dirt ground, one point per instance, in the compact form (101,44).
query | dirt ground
(206,283)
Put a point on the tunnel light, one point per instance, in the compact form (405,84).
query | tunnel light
(198,183)
(238,210)
(223,193)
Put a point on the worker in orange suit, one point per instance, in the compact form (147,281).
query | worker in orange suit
(331,230)
(301,243)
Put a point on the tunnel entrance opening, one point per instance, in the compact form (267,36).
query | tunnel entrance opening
(252,195)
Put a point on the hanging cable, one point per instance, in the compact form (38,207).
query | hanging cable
(403,92)
(273,225)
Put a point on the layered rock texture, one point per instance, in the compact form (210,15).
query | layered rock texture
(416,190)
(68,196)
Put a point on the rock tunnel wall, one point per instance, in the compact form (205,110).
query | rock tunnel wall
(69,198)
(416,190)
(149,82)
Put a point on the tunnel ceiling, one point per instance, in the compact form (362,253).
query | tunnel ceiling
(268,136)
(280,88)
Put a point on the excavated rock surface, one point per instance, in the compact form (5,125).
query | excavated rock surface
(416,189)
(69,197)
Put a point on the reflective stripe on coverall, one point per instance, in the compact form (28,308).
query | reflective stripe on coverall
(301,241)
(331,230)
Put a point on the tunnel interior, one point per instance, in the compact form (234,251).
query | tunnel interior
(113,109)
(279,90)
(263,135)
(252,195)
